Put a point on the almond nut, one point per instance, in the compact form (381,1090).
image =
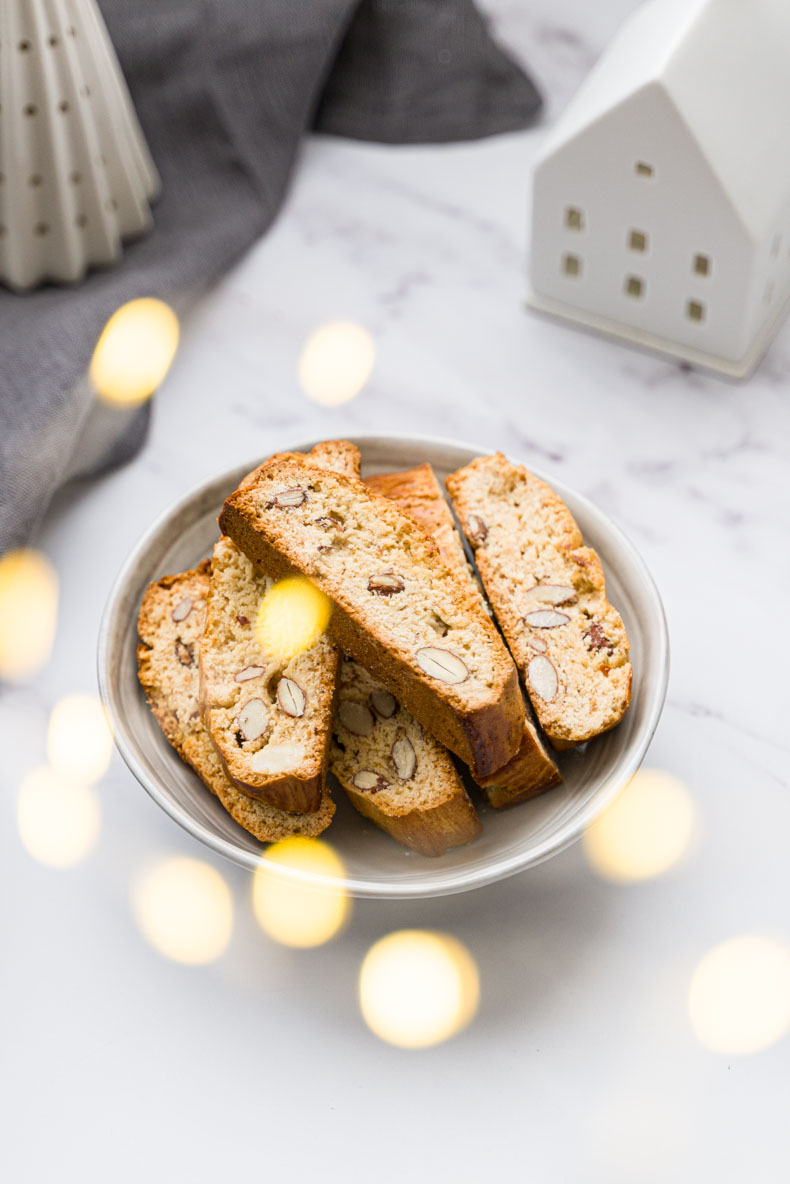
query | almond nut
(249,672)
(546,618)
(386,583)
(543,678)
(243,620)
(551,594)
(597,639)
(287,498)
(252,719)
(537,644)
(476,529)
(443,665)
(404,758)
(383,703)
(369,781)
(291,697)
(182,609)
(355,718)
(277,758)
(185,653)
(328,523)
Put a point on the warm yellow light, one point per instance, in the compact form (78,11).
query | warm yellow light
(739,998)
(294,912)
(417,988)
(28,612)
(184,909)
(644,833)
(135,351)
(292,616)
(58,818)
(79,741)
(336,361)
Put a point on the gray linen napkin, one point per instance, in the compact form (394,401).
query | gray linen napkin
(225,91)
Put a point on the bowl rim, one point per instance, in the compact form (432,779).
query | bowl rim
(459,879)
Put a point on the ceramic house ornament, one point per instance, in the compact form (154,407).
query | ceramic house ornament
(661,209)
(75,173)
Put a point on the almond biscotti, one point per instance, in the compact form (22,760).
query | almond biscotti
(532,770)
(393,772)
(549,595)
(398,609)
(269,720)
(171,621)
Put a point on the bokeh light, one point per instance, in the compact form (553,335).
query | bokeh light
(292,616)
(418,988)
(79,741)
(645,832)
(58,818)
(28,612)
(184,908)
(293,911)
(134,352)
(739,998)
(336,361)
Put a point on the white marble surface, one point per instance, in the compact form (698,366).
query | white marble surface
(581,1064)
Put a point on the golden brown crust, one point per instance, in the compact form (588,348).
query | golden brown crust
(532,770)
(480,719)
(452,823)
(172,691)
(548,591)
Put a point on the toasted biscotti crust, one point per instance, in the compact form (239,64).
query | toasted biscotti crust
(171,685)
(395,773)
(284,520)
(532,770)
(548,592)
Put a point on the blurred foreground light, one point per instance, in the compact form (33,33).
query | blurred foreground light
(135,352)
(644,832)
(79,741)
(58,818)
(418,988)
(296,912)
(184,908)
(292,616)
(739,998)
(28,612)
(336,361)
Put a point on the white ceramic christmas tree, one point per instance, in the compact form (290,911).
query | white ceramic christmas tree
(76,176)
(661,210)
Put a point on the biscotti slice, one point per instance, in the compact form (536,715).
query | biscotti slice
(549,595)
(532,770)
(398,608)
(171,621)
(393,772)
(269,720)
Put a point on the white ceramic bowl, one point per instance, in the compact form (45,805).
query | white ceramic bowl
(376,866)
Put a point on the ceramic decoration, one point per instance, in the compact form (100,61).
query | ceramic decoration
(661,209)
(75,173)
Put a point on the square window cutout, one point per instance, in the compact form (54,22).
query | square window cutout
(634,287)
(702,264)
(643,169)
(574,219)
(637,240)
(695,310)
(571,265)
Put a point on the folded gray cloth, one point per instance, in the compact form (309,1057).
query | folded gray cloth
(225,91)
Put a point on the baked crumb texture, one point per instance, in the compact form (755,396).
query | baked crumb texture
(548,592)
(417,492)
(270,720)
(171,622)
(399,610)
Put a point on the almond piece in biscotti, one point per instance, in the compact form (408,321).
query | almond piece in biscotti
(404,757)
(252,719)
(289,498)
(383,703)
(546,618)
(386,583)
(249,672)
(182,609)
(551,594)
(291,697)
(355,717)
(370,782)
(443,665)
